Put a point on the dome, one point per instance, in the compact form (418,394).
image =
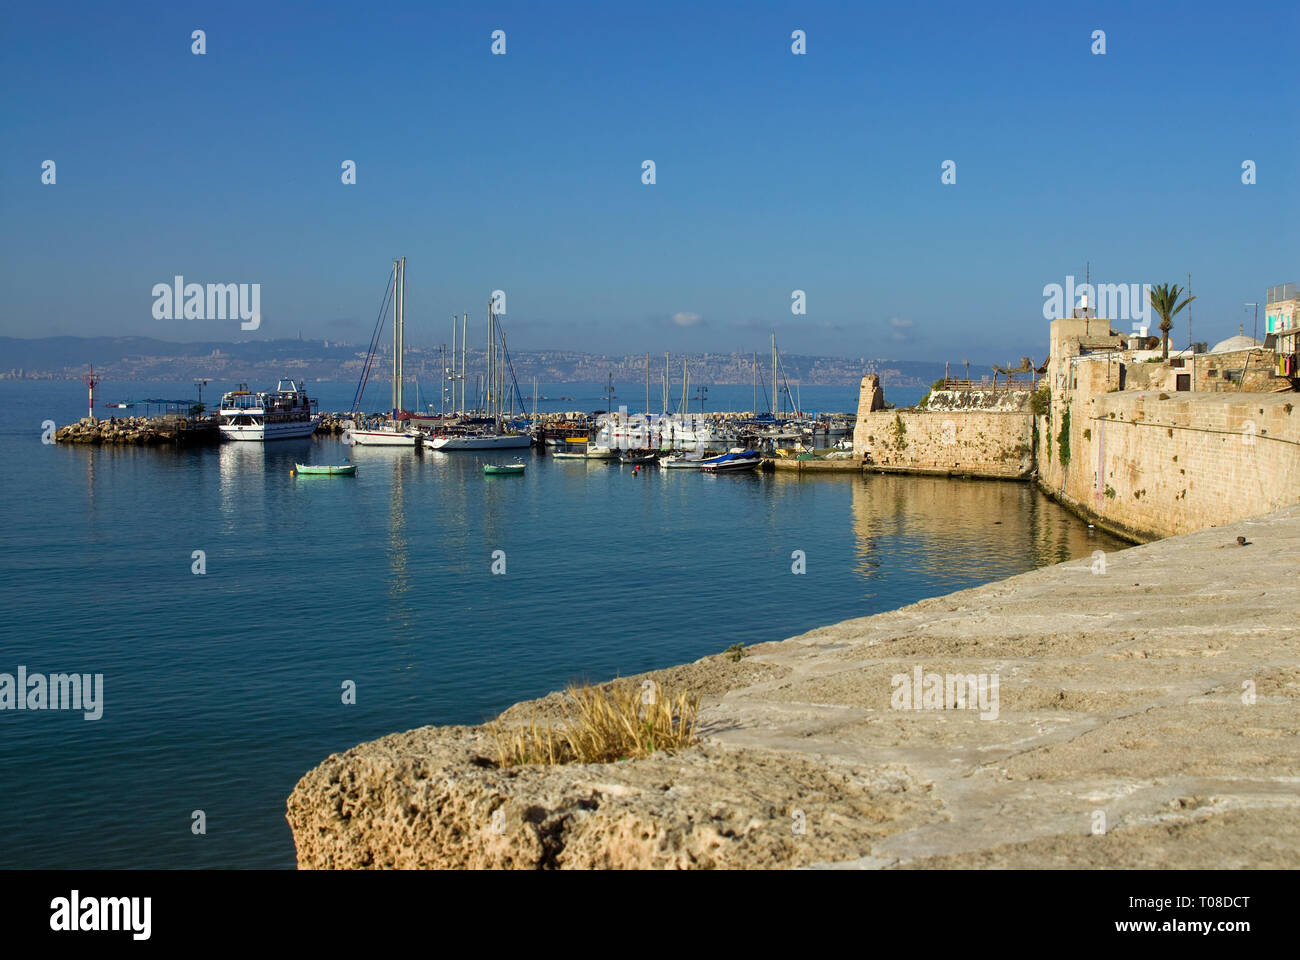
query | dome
(1239,342)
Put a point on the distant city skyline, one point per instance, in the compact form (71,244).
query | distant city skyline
(780,177)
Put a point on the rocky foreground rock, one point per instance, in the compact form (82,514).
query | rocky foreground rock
(1147,715)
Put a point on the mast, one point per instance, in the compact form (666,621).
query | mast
(464,331)
(402,341)
(667,377)
(647,384)
(775,403)
(396,336)
(453,364)
(491,359)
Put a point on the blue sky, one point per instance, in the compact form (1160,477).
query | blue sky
(522,172)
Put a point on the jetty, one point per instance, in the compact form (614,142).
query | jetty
(1144,713)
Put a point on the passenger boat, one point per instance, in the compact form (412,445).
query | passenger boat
(281,414)
(325,470)
(503,468)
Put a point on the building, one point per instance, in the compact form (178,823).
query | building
(1282,321)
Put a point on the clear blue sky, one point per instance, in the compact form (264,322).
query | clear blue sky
(523,172)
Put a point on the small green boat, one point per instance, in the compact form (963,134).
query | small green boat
(492,469)
(325,470)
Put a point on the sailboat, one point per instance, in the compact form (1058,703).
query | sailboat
(493,435)
(396,432)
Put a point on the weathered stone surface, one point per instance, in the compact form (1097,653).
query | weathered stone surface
(1156,697)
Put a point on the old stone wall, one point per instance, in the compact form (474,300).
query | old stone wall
(976,443)
(1154,464)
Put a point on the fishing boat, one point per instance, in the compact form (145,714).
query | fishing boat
(681,462)
(637,456)
(344,469)
(492,469)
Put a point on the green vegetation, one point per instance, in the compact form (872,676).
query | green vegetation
(1063,438)
(737,650)
(900,433)
(1164,300)
(937,385)
(1110,492)
(1040,401)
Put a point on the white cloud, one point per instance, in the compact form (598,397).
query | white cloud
(687,319)
(899,322)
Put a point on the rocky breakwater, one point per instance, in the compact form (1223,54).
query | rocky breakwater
(1136,709)
(139,431)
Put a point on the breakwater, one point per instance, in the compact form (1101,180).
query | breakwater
(828,748)
(140,431)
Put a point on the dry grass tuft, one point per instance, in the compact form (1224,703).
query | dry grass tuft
(604,724)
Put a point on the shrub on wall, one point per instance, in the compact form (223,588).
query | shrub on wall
(1063,438)
(1040,400)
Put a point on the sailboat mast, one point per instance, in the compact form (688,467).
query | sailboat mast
(453,364)
(491,359)
(396,341)
(776,405)
(402,341)
(464,332)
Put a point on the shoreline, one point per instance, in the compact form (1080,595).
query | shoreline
(1122,739)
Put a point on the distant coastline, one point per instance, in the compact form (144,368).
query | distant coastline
(149,359)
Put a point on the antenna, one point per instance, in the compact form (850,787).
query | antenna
(1256,328)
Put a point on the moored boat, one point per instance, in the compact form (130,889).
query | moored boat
(491,469)
(728,462)
(325,470)
(281,414)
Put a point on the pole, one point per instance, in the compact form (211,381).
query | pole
(393,381)
(647,384)
(775,402)
(402,344)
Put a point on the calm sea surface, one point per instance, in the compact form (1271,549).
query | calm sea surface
(221,690)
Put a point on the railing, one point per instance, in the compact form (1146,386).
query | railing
(1002,383)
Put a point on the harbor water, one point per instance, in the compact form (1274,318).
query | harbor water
(222,687)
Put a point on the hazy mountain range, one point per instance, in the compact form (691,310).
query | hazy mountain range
(262,361)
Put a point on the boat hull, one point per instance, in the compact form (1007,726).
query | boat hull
(383,438)
(261,432)
(310,470)
(504,441)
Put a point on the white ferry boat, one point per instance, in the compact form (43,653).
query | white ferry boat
(281,414)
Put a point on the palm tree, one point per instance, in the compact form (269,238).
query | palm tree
(1163,299)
